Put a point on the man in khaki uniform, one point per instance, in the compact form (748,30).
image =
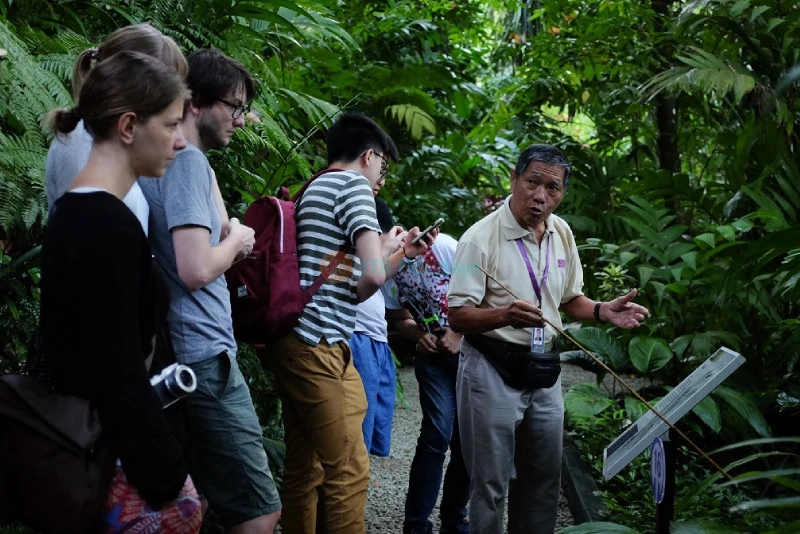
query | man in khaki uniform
(531,252)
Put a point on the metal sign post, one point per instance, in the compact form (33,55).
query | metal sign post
(677,403)
(665,501)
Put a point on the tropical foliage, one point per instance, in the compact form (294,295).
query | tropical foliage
(678,115)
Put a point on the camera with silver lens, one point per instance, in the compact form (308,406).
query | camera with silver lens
(174,383)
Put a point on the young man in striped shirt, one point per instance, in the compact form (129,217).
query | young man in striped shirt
(323,397)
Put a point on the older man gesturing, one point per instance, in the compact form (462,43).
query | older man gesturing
(510,408)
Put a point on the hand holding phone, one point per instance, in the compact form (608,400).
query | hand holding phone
(428,230)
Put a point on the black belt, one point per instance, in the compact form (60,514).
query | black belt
(516,364)
(495,345)
(489,344)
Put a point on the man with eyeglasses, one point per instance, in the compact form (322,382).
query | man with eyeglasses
(194,242)
(323,397)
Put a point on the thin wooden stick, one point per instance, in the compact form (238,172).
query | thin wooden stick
(615,375)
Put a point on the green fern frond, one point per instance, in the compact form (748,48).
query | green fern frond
(408,96)
(21,152)
(28,91)
(704,72)
(414,118)
(59,64)
(314,108)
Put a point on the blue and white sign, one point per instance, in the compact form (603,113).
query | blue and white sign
(658,469)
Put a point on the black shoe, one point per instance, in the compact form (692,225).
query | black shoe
(460,526)
(419,528)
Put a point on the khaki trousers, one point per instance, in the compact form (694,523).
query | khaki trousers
(323,408)
(503,430)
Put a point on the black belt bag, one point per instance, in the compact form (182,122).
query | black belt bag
(519,368)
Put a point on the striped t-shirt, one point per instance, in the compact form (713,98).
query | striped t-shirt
(334,207)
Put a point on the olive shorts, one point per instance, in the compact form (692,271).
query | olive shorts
(228,462)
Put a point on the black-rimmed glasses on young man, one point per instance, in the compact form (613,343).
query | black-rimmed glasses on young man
(384,167)
(237,109)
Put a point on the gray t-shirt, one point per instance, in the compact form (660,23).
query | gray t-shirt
(199,321)
(67,157)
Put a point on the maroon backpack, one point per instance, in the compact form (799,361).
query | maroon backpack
(266,297)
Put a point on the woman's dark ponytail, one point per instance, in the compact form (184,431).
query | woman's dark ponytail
(62,121)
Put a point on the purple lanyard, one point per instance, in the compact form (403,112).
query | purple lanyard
(536,289)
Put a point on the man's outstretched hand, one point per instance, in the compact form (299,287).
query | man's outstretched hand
(623,312)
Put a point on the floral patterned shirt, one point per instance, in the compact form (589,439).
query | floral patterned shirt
(421,287)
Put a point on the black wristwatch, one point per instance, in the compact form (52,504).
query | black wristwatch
(597,313)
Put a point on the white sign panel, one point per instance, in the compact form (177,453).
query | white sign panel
(675,405)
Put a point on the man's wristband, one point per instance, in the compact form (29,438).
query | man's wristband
(597,313)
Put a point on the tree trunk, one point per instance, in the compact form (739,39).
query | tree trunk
(669,157)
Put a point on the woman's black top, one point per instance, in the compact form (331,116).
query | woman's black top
(103,298)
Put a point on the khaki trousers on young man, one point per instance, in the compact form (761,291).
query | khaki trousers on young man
(323,408)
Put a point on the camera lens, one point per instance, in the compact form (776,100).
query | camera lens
(185,378)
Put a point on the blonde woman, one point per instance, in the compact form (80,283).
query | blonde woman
(69,153)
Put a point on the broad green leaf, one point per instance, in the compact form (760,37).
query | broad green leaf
(659,287)
(758,11)
(691,259)
(756,443)
(745,408)
(255,12)
(708,239)
(774,23)
(743,225)
(708,412)
(700,526)
(598,528)
(676,250)
(645,272)
(678,289)
(704,344)
(626,257)
(288,5)
(634,408)
(727,232)
(772,475)
(649,354)
(603,345)
(585,400)
(463,107)
(739,7)
(680,344)
(786,502)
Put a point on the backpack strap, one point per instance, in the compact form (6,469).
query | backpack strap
(296,197)
(327,271)
(340,255)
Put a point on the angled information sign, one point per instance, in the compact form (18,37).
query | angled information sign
(673,406)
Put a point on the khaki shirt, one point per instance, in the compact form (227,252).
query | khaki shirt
(491,244)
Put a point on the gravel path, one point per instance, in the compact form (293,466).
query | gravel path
(389,482)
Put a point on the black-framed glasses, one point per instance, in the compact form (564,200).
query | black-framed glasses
(384,167)
(238,109)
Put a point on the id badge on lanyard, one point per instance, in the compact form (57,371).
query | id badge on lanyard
(537,337)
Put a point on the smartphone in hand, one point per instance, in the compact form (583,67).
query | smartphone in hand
(428,230)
